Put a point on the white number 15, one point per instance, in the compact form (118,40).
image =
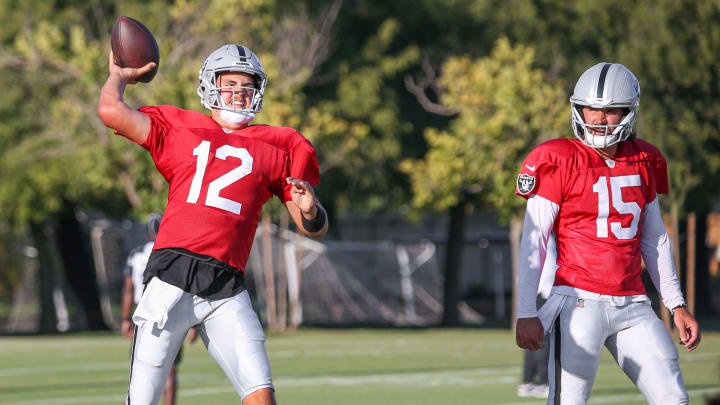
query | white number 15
(616,184)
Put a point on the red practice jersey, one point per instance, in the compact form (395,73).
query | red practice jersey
(598,227)
(303,159)
(219,181)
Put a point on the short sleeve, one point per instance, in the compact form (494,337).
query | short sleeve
(539,175)
(130,262)
(303,165)
(661,176)
(158,129)
(277,187)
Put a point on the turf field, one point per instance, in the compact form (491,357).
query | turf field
(322,366)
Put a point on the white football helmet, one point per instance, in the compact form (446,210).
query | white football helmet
(605,85)
(231,58)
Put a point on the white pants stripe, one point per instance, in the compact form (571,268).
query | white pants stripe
(635,337)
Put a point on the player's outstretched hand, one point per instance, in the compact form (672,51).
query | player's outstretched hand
(303,196)
(688,329)
(127,328)
(128,74)
(529,333)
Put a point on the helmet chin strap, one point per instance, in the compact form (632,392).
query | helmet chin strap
(602,141)
(237,118)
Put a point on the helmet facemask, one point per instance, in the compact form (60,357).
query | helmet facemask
(611,134)
(215,100)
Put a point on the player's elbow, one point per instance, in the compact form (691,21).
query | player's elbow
(109,113)
(113,112)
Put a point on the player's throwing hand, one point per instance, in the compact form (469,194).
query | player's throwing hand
(129,75)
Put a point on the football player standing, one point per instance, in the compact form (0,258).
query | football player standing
(221,171)
(598,194)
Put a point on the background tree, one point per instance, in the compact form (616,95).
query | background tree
(680,113)
(505,107)
(59,157)
(349,75)
(671,48)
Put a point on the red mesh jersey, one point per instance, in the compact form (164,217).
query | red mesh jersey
(219,181)
(598,227)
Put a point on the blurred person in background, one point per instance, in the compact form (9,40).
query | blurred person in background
(598,194)
(132,291)
(221,171)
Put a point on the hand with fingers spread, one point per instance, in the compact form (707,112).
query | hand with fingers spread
(688,328)
(303,196)
(529,333)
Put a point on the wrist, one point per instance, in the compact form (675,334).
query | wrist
(312,214)
(315,224)
(675,308)
(118,78)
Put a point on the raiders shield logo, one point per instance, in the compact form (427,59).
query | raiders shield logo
(525,183)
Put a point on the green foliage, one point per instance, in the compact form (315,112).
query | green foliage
(57,149)
(506,107)
(11,260)
(680,78)
(672,48)
(353,106)
(358,131)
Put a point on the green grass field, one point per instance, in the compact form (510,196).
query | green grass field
(322,366)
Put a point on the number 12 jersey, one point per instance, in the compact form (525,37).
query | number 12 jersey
(219,181)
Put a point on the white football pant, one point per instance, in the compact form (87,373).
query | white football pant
(230,330)
(635,337)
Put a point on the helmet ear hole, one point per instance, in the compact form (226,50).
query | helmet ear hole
(579,109)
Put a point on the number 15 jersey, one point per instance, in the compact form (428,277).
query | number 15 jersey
(599,225)
(218,182)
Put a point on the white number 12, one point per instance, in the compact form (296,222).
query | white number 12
(213,198)
(616,184)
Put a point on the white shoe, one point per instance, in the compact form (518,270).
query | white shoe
(540,390)
(533,390)
(525,389)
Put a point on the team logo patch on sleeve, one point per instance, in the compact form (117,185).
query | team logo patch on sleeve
(525,183)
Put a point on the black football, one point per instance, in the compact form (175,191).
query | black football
(134,45)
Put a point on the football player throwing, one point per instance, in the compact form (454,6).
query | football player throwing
(221,171)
